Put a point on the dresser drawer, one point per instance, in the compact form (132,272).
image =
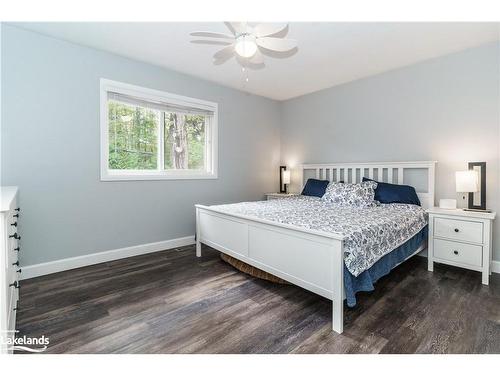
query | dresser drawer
(458,252)
(458,230)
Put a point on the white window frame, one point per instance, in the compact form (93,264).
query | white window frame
(211,147)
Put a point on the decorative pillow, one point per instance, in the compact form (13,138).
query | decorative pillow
(315,188)
(362,194)
(392,193)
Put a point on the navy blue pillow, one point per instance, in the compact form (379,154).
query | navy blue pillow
(315,188)
(391,193)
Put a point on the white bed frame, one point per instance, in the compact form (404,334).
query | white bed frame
(311,259)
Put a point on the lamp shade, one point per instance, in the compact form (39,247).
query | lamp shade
(286,177)
(467,181)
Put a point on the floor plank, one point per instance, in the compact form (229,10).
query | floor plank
(173,302)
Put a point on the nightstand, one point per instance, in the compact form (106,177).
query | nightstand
(461,238)
(270,196)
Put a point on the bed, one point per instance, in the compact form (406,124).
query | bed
(305,242)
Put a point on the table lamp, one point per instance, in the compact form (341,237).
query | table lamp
(286,180)
(467,182)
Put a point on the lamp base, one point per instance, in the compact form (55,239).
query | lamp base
(477,210)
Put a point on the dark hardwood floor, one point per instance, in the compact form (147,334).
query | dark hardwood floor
(173,302)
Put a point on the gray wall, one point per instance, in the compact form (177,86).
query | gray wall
(50,149)
(445,109)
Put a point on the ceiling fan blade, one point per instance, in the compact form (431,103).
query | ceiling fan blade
(224,54)
(212,42)
(237,28)
(257,58)
(210,34)
(222,61)
(276,44)
(265,29)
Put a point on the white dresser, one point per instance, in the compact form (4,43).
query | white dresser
(9,281)
(462,239)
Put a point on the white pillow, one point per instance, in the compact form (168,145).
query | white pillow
(361,195)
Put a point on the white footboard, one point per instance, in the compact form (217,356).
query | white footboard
(310,259)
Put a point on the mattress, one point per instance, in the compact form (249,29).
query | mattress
(369,232)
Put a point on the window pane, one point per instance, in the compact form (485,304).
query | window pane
(132,136)
(184,141)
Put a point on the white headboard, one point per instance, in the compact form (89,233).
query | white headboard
(392,172)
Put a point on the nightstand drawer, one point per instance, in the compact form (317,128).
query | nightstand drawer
(458,252)
(458,230)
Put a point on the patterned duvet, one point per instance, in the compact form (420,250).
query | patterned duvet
(370,232)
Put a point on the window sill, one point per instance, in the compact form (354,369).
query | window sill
(154,176)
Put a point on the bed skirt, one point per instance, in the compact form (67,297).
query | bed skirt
(365,281)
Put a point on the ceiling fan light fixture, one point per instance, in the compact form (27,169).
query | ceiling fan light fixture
(246,42)
(245,45)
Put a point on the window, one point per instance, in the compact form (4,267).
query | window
(150,135)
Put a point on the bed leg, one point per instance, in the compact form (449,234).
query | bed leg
(338,315)
(198,243)
(338,288)
(198,248)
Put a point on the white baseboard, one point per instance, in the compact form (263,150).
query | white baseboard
(423,253)
(105,256)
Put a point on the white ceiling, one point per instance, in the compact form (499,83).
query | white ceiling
(328,54)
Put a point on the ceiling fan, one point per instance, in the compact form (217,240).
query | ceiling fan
(248,42)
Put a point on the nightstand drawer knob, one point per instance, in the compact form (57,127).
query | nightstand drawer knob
(457,230)
(455,252)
